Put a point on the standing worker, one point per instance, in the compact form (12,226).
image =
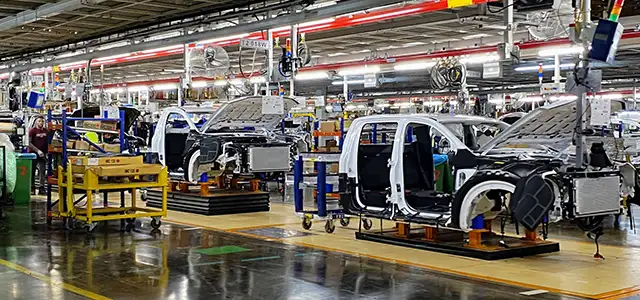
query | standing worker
(38,144)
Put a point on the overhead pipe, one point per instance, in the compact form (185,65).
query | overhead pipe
(43,12)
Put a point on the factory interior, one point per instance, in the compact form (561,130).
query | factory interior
(343,149)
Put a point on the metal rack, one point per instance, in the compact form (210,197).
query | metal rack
(317,134)
(323,184)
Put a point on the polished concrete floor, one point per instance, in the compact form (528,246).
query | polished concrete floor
(181,262)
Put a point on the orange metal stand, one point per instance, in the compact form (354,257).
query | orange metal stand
(403,229)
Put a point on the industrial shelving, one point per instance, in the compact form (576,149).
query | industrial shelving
(338,133)
(323,184)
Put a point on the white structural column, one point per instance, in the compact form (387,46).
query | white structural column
(294,58)
(556,70)
(269,60)
(186,79)
(581,90)
(508,33)
(345,88)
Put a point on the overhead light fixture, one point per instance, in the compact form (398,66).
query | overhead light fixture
(544,67)
(199,84)
(165,86)
(412,66)
(237,81)
(217,40)
(173,70)
(480,58)
(560,51)
(113,45)
(258,79)
(359,71)
(137,88)
(312,75)
(531,99)
(348,82)
(163,48)
(612,96)
(563,97)
(220,83)
(113,57)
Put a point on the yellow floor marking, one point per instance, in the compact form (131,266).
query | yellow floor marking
(49,280)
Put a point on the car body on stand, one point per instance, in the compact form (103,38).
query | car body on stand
(236,138)
(525,171)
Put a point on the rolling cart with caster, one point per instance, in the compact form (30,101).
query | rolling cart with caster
(92,180)
(327,206)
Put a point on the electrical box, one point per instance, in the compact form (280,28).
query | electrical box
(605,41)
(35,99)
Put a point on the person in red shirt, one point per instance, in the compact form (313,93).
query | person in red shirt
(39,144)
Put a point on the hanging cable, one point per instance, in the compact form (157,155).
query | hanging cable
(448,73)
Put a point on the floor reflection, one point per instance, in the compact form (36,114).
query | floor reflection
(188,263)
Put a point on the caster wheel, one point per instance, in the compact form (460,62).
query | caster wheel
(155,224)
(367,224)
(329,227)
(70,224)
(130,221)
(306,223)
(345,222)
(89,228)
(143,196)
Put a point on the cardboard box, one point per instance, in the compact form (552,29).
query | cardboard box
(56,143)
(128,170)
(91,124)
(108,125)
(328,126)
(82,145)
(322,149)
(333,168)
(334,149)
(70,144)
(331,143)
(112,148)
(102,161)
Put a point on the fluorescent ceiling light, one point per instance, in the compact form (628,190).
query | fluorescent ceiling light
(318,22)
(565,97)
(531,99)
(220,83)
(163,49)
(480,58)
(237,81)
(113,57)
(544,67)
(359,70)
(612,96)
(411,66)
(474,36)
(348,82)
(312,75)
(173,70)
(233,37)
(199,84)
(82,62)
(137,88)
(258,79)
(113,45)
(164,36)
(560,51)
(165,86)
